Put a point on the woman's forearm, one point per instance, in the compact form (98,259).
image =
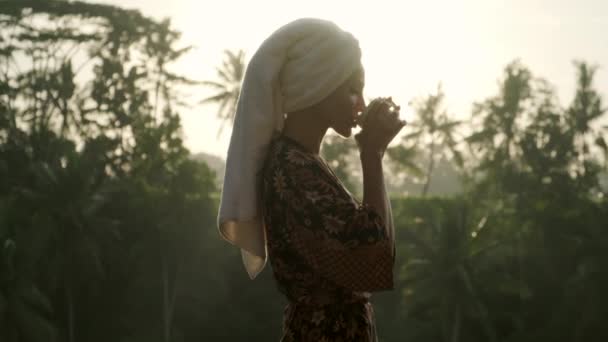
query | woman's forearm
(374,188)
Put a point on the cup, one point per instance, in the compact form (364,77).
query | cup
(393,108)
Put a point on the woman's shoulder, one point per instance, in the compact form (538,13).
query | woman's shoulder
(287,153)
(287,158)
(290,167)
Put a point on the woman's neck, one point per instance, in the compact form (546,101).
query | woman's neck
(306,129)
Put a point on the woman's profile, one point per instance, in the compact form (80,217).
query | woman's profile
(282,202)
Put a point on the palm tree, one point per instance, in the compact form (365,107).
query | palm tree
(447,265)
(25,311)
(582,115)
(228,86)
(432,131)
(501,116)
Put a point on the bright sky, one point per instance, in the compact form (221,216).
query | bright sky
(409,46)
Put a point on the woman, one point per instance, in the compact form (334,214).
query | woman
(280,199)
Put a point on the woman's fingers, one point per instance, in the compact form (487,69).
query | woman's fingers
(381,123)
(379,108)
(376,111)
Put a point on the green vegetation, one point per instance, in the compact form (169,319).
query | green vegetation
(107,222)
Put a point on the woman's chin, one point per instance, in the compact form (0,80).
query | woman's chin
(345,132)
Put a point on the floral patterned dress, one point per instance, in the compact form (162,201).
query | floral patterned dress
(327,250)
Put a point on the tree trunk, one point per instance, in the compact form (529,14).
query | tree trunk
(166,304)
(69,297)
(429,170)
(456,325)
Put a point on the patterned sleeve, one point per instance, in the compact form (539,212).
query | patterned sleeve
(344,241)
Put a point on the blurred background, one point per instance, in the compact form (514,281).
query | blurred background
(115,118)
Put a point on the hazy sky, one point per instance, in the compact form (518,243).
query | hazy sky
(408,46)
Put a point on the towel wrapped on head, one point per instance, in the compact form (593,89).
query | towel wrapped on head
(296,67)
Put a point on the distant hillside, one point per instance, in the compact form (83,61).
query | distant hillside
(444,179)
(215,163)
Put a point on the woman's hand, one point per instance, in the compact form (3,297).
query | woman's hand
(379,125)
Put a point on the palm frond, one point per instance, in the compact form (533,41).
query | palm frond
(216,98)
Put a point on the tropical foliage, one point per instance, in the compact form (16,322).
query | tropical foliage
(107,223)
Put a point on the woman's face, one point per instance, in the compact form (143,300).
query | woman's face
(341,107)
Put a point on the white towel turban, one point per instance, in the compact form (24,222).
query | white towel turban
(296,67)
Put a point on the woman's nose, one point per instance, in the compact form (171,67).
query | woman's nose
(360,104)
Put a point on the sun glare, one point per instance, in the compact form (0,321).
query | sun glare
(409,47)
(403,43)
